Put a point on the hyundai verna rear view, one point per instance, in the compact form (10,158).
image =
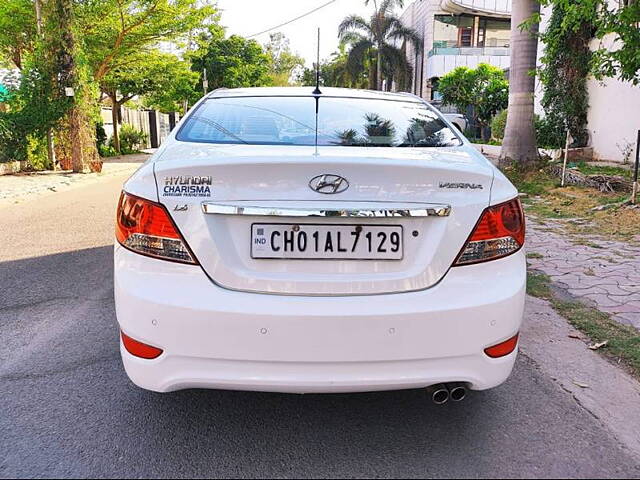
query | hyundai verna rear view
(287,241)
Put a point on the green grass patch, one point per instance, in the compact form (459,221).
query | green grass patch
(535,255)
(533,183)
(590,169)
(612,199)
(586,243)
(623,341)
(545,199)
(480,141)
(538,285)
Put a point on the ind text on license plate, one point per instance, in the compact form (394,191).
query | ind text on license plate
(322,241)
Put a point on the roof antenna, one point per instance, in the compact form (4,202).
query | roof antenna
(317,90)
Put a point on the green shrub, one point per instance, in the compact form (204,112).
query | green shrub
(498,124)
(131,139)
(470,133)
(37,156)
(29,111)
(107,151)
(101,135)
(547,134)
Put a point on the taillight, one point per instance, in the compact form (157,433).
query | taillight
(498,233)
(145,227)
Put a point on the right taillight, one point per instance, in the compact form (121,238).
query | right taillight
(498,233)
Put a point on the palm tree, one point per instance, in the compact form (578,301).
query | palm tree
(336,72)
(519,144)
(377,40)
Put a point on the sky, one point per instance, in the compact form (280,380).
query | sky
(247,17)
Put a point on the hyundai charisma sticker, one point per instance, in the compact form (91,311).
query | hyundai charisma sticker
(187,186)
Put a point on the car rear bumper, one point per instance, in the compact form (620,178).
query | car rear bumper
(218,338)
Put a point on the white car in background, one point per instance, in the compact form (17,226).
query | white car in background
(345,241)
(457,120)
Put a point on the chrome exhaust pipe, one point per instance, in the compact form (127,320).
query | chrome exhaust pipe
(457,391)
(439,394)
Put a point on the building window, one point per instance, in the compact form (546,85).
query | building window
(453,31)
(498,33)
(459,31)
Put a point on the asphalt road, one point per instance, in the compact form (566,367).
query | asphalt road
(67,408)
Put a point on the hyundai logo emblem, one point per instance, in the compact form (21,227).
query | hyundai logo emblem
(329,184)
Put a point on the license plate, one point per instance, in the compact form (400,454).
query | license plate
(324,242)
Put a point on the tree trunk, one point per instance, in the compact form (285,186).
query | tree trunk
(379,71)
(114,118)
(372,77)
(81,133)
(519,145)
(51,153)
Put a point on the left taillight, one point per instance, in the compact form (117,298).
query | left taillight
(145,227)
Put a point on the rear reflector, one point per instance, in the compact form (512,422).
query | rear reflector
(139,349)
(498,233)
(145,227)
(503,349)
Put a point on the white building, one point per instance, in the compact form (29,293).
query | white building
(468,32)
(614,108)
(456,33)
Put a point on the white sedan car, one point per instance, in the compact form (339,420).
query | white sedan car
(344,241)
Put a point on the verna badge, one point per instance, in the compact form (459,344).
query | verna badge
(471,186)
(328,184)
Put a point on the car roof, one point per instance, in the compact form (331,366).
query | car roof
(304,91)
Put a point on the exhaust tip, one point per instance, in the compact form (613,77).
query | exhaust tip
(457,392)
(439,394)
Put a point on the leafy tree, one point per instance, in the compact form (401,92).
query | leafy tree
(79,146)
(25,118)
(616,21)
(375,42)
(335,72)
(622,23)
(566,64)
(485,89)
(569,59)
(161,77)
(114,31)
(179,83)
(285,65)
(17,30)
(78,130)
(232,62)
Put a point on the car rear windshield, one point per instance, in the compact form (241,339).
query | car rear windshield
(356,122)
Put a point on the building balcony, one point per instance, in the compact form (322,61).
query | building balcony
(443,63)
(474,51)
(494,8)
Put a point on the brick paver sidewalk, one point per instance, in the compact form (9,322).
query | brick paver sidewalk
(605,273)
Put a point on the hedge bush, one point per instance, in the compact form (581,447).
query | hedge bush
(131,139)
(547,134)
